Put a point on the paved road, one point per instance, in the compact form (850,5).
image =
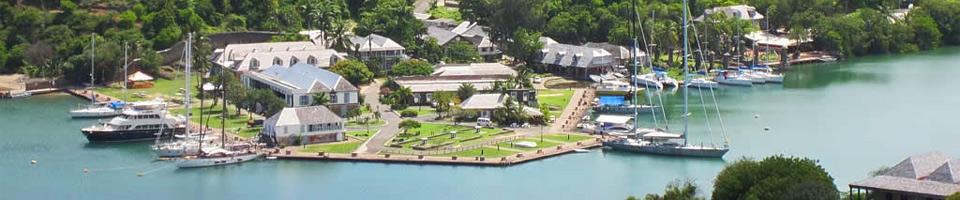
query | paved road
(375,143)
(421,6)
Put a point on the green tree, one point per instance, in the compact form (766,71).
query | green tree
(353,113)
(461,52)
(927,34)
(390,18)
(775,177)
(954,196)
(377,115)
(511,112)
(443,100)
(408,124)
(525,46)
(677,190)
(354,71)
(337,36)
(412,68)
(465,91)
(431,51)
(321,99)
(400,98)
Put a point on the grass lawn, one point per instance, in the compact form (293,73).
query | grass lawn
(372,123)
(248,132)
(444,12)
(422,111)
(563,137)
(483,151)
(427,129)
(340,147)
(212,116)
(161,87)
(363,135)
(558,98)
(540,145)
(434,129)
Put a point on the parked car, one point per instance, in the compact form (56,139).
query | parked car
(536,79)
(484,122)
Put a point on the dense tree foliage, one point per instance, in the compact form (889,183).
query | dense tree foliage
(774,177)
(461,52)
(354,71)
(390,18)
(412,68)
(676,190)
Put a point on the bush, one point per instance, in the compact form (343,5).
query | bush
(408,113)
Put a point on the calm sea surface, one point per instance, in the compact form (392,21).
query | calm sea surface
(853,116)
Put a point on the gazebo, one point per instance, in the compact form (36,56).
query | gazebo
(139,80)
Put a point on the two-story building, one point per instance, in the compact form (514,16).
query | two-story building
(297,84)
(574,60)
(312,124)
(377,48)
(259,56)
(475,34)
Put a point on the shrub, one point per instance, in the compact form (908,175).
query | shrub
(408,113)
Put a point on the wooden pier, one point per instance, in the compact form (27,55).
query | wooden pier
(514,159)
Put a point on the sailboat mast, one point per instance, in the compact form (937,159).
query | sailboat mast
(93,57)
(636,73)
(686,46)
(223,111)
(125,71)
(186,70)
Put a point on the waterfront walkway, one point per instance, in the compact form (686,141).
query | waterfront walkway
(573,113)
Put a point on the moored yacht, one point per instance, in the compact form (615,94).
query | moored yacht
(701,83)
(140,122)
(723,77)
(98,109)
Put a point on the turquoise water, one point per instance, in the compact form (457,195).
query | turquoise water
(853,116)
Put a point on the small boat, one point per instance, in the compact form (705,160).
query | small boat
(99,109)
(767,74)
(271,157)
(580,151)
(827,58)
(217,156)
(647,81)
(702,83)
(23,94)
(617,88)
(754,78)
(732,79)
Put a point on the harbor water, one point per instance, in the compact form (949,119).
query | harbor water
(853,116)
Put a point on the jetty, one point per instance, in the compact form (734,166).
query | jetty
(514,159)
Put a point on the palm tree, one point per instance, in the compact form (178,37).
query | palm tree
(465,91)
(320,99)
(523,77)
(442,99)
(402,94)
(338,38)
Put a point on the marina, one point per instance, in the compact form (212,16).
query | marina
(817,94)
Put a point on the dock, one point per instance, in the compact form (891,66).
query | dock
(519,158)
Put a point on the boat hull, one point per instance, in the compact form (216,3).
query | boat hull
(216,161)
(624,109)
(131,135)
(83,114)
(690,151)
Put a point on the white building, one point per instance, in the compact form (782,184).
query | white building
(297,84)
(475,34)
(376,46)
(742,12)
(575,61)
(260,56)
(314,124)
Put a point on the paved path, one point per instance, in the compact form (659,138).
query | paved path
(573,112)
(421,6)
(371,95)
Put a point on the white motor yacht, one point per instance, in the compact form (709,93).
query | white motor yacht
(647,81)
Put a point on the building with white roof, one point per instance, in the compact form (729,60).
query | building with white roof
(932,175)
(450,77)
(376,46)
(743,12)
(313,124)
(297,84)
(322,58)
(576,61)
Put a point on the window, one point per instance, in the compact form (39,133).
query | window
(254,64)
(304,100)
(333,97)
(277,61)
(429,97)
(416,98)
(312,60)
(294,60)
(346,97)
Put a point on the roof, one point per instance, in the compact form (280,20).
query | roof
(766,39)
(443,36)
(744,12)
(303,115)
(470,29)
(375,42)
(484,101)
(932,173)
(618,51)
(304,76)
(575,56)
(474,69)
(236,52)
(446,84)
(616,119)
(324,58)
(139,76)
(421,16)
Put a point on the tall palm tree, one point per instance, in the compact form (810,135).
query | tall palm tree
(338,38)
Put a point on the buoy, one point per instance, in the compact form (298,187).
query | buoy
(139,174)
(33,161)
(85,170)
(766,128)
(757,116)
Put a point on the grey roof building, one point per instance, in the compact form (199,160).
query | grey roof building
(931,175)
(315,124)
(256,61)
(743,12)
(574,60)
(297,84)
(476,34)
(474,69)
(233,54)
(620,53)
(374,45)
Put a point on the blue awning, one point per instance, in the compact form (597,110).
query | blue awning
(659,69)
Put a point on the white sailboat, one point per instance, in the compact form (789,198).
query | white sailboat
(659,142)
(99,109)
(213,155)
(701,83)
